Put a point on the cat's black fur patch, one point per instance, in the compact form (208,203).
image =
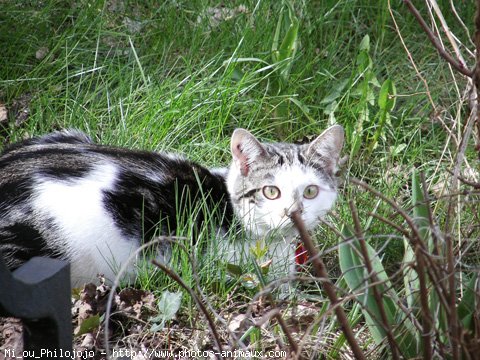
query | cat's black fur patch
(20,242)
(146,193)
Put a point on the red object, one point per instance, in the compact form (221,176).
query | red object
(301,255)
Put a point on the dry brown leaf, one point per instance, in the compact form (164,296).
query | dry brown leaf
(11,336)
(3,113)
(20,108)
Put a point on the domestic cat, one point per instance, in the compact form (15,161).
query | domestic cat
(62,195)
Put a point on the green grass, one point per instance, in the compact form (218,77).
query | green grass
(168,87)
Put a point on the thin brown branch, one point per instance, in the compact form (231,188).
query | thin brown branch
(425,310)
(476,78)
(291,340)
(475,185)
(376,294)
(456,64)
(321,271)
(390,223)
(174,276)
(450,259)
(432,269)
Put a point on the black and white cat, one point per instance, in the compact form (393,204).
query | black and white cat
(63,196)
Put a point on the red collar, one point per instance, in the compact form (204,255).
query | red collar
(301,255)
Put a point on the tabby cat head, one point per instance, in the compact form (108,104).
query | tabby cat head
(268,181)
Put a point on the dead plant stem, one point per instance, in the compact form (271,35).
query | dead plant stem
(321,271)
(432,268)
(459,66)
(211,324)
(378,298)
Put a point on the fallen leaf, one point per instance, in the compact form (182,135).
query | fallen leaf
(41,53)
(88,342)
(11,335)
(236,322)
(217,15)
(20,109)
(3,113)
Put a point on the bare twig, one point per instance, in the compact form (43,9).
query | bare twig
(453,41)
(432,268)
(174,276)
(425,313)
(410,57)
(476,78)
(475,185)
(390,223)
(458,65)
(116,283)
(450,259)
(321,271)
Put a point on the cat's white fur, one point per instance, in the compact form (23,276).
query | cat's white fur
(274,215)
(76,206)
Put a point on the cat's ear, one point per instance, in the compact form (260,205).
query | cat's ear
(328,146)
(245,149)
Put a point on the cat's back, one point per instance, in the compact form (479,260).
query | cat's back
(71,153)
(63,195)
(69,158)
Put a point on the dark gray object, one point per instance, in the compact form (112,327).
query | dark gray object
(38,293)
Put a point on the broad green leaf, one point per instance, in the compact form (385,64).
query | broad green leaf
(354,271)
(265,267)
(288,47)
(397,149)
(386,96)
(468,304)
(276,38)
(336,91)
(259,250)
(365,43)
(410,277)
(304,108)
(420,211)
(363,63)
(330,108)
(234,269)
(169,304)
(374,81)
(250,281)
(89,325)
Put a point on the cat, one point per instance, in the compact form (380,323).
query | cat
(62,195)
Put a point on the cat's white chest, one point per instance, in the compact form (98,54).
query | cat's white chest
(279,252)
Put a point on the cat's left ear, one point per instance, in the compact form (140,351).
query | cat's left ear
(245,150)
(328,146)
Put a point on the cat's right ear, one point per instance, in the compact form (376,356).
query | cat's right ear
(245,149)
(328,146)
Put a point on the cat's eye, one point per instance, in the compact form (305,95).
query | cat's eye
(310,192)
(271,192)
